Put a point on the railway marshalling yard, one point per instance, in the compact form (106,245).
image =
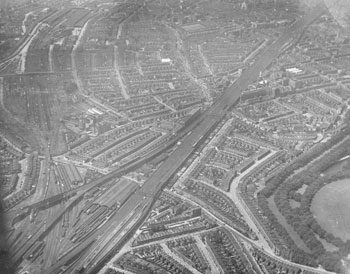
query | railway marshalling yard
(172,137)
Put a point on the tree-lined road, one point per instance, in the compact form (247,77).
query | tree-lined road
(209,119)
(143,197)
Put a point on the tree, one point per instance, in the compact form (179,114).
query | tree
(70,87)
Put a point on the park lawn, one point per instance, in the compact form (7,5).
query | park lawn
(331,207)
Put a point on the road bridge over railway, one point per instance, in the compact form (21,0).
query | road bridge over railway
(150,190)
(206,123)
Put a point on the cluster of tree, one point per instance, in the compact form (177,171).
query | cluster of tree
(226,252)
(154,228)
(302,161)
(4,48)
(70,87)
(135,266)
(281,238)
(301,218)
(284,186)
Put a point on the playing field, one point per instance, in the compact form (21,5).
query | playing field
(331,207)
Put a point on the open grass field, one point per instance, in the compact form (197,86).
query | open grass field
(331,207)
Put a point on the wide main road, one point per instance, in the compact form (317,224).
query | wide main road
(216,113)
(207,122)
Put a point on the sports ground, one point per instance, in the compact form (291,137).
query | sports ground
(331,208)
